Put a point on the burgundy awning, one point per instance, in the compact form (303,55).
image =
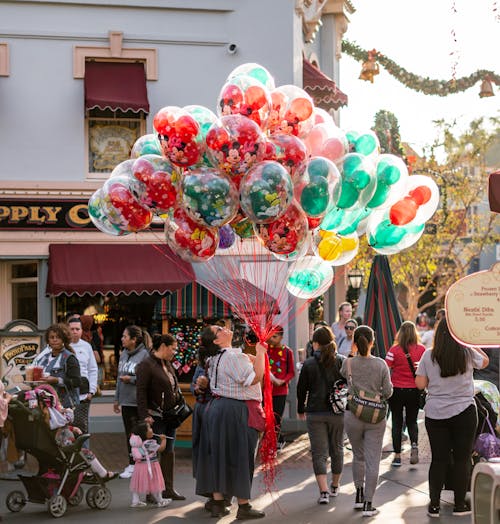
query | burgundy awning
(322,89)
(116,85)
(115,268)
(494,191)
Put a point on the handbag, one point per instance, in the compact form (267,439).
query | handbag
(365,405)
(337,394)
(176,415)
(422,396)
(487,444)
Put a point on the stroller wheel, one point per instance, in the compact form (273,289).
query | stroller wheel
(76,498)
(102,497)
(89,497)
(57,506)
(15,501)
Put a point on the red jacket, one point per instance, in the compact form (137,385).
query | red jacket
(401,376)
(282,366)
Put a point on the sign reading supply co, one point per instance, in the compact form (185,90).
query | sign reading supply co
(56,215)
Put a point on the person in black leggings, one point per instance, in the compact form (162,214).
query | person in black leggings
(450,413)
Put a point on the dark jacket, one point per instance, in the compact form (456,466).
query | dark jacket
(154,389)
(311,387)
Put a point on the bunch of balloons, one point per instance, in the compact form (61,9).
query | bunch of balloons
(271,167)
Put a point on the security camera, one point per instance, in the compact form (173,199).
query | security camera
(232,48)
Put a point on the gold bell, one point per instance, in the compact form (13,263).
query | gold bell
(486,88)
(369,68)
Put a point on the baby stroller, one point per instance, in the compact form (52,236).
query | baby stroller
(61,472)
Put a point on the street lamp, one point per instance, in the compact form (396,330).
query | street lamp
(355,278)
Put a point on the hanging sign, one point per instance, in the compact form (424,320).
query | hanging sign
(473,308)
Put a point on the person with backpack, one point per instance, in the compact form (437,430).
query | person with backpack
(325,428)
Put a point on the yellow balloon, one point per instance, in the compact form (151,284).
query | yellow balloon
(330,248)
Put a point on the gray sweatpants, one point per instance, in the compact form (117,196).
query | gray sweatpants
(366,441)
(326,434)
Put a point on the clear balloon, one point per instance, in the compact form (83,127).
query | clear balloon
(323,117)
(358,182)
(134,216)
(286,235)
(255,71)
(291,112)
(366,144)
(244,95)
(209,197)
(309,277)
(344,222)
(328,141)
(235,143)
(104,216)
(289,151)
(242,226)
(180,136)
(266,192)
(392,175)
(146,145)
(189,240)
(333,248)
(205,119)
(160,179)
(319,187)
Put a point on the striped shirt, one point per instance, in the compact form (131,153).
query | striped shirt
(231,375)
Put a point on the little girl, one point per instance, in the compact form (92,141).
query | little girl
(147,477)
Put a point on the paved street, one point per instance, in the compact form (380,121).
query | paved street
(402,495)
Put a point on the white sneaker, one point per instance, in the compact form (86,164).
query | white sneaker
(163,503)
(138,504)
(127,472)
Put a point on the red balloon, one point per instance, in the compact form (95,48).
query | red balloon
(403,211)
(137,217)
(289,151)
(201,241)
(421,194)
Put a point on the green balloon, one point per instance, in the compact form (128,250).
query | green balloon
(306,280)
(351,220)
(380,196)
(352,163)
(151,147)
(366,144)
(361,179)
(332,219)
(387,234)
(352,136)
(260,74)
(349,195)
(318,167)
(315,198)
(273,173)
(388,173)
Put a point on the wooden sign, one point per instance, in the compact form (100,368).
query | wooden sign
(473,308)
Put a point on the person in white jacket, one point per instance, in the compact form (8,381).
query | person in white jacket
(88,370)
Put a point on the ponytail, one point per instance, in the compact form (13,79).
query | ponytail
(325,339)
(363,337)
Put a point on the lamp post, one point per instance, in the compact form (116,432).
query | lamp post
(355,279)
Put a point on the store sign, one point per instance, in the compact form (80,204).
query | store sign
(38,215)
(473,308)
(20,342)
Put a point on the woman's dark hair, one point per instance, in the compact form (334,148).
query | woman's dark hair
(407,335)
(208,348)
(141,429)
(166,339)
(63,332)
(325,338)
(135,332)
(320,323)
(447,352)
(363,337)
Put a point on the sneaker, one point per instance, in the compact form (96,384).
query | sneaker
(324,498)
(360,498)
(433,511)
(334,491)
(138,504)
(281,446)
(245,511)
(163,503)
(127,472)
(218,509)
(414,454)
(369,510)
(396,462)
(462,509)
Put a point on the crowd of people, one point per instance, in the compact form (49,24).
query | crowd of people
(228,417)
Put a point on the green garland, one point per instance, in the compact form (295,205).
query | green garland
(418,83)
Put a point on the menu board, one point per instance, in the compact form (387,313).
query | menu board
(473,308)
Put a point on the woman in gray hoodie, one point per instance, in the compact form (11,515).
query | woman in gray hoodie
(134,351)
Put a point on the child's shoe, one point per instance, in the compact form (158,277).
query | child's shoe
(138,504)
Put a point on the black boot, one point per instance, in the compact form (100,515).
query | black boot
(245,511)
(360,498)
(167,468)
(218,509)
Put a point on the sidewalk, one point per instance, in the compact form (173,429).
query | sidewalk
(402,495)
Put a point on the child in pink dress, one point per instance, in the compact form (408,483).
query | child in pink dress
(147,477)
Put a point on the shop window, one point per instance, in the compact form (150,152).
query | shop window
(24,285)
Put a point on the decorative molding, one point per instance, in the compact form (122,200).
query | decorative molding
(310,11)
(4,59)
(115,52)
(341,26)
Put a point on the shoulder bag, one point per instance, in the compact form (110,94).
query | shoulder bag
(487,444)
(177,414)
(422,393)
(365,405)
(337,393)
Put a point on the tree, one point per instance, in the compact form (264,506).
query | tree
(461,227)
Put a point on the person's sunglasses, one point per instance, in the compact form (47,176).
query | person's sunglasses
(349,328)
